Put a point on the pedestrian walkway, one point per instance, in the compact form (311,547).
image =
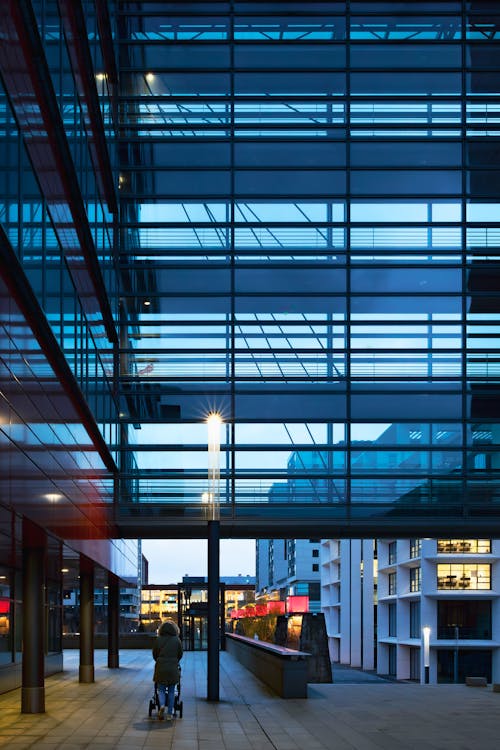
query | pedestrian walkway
(354,676)
(113,713)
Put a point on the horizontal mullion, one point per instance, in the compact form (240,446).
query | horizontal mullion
(138,169)
(307,294)
(310,354)
(329,197)
(256,224)
(305,378)
(303,476)
(306,448)
(238,42)
(309,323)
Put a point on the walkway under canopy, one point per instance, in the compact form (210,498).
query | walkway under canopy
(113,713)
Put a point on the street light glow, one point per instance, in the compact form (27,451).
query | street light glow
(214,421)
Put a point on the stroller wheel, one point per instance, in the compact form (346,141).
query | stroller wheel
(151,708)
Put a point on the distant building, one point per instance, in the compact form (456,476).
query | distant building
(289,567)
(379,596)
(186,602)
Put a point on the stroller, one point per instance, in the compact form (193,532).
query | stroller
(154,702)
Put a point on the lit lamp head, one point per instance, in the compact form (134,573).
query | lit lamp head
(214,421)
(426,635)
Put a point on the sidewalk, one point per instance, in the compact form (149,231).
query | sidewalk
(350,675)
(113,713)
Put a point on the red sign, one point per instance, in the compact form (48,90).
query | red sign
(296,604)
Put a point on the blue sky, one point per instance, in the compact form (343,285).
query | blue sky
(171,559)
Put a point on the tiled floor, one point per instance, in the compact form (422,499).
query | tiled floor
(113,713)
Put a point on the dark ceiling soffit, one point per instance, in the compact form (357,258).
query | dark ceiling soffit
(156,527)
(27,80)
(74,23)
(14,278)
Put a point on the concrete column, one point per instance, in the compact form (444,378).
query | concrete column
(345,594)
(113,621)
(368,618)
(222,617)
(356,605)
(86,620)
(179,608)
(213,611)
(34,560)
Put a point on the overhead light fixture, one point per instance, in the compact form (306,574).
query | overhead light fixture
(147,302)
(53,497)
(150,77)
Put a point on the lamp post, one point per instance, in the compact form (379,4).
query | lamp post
(426,634)
(212,500)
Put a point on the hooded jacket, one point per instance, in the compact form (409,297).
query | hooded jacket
(167,651)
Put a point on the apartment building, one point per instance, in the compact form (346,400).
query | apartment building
(381,598)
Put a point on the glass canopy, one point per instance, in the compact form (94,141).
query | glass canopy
(309,243)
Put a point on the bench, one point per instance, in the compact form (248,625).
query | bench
(476,681)
(282,669)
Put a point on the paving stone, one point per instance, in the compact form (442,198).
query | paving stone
(113,712)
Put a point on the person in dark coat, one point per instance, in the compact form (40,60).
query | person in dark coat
(167,652)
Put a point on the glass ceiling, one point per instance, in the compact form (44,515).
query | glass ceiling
(309,227)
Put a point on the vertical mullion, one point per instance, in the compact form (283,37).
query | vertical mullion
(348,306)
(233,270)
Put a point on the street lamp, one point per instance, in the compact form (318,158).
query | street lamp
(214,422)
(212,500)
(426,634)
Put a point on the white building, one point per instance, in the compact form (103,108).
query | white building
(379,597)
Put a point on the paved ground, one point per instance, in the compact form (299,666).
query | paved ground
(113,713)
(343,673)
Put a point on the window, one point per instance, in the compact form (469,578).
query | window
(392,583)
(315,553)
(464,546)
(392,620)
(314,591)
(415,664)
(464,620)
(392,554)
(415,548)
(315,567)
(392,660)
(465,576)
(415,630)
(415,579)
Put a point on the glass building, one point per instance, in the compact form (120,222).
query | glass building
(287,213)
(309,200)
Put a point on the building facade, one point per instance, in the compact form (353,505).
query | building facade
(286,213)
(288,567)
(380,597)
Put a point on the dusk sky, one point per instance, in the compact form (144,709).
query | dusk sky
(171,559)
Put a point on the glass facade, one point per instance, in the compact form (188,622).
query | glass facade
(286,213)
(309,246)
